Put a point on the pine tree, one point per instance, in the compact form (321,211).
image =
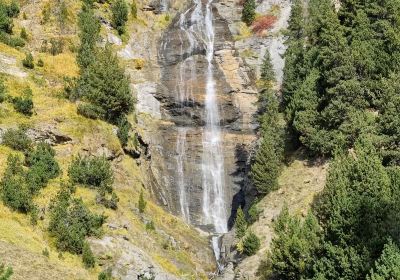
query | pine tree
(249,11)
(267,74)
(142,202)
(387,266)
(240,223)
(105,85)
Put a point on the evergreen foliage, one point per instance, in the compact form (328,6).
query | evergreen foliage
(28,61)
(249,11)
(251,244)
(387,266)
(336,70)
(95,172)
(17,139)
(105,85)
(3,91)
(87,256)
(24,104)
(5,273)
(119,10)
(124,127)
(240,224)
(71,221)
(105,275)
(23,34)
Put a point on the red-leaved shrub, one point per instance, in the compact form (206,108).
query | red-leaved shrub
(263,23)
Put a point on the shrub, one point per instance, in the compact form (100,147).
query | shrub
(5,273)
(46,13)
(71,221)
(251,244)
(254,213)
(24,104)
(28,61)
(13,9)
(23,34)
(249,11)
(142,203)
(43,167)
(15,192)
(111,203)
(56,46)
(119,11)
(105,275)
(90,111)
(11,40)
(124,127)
(46,252)
(150,226)
(24,16)
(17,139)
(87,256)
(93,172)
(40,63)
(263,23)
(240,223)
(5,21)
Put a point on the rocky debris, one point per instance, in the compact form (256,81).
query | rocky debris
(126,261)
(48,133)
(8,65)
(114,39)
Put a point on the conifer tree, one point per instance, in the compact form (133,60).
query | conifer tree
(240,223)
(249,11)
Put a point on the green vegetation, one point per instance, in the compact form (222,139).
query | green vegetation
(240,224)
(347,234)
(87,256)
(24,104)
(90,111)
(17,139)
(266,166)
(3,91)
(7,13)
(94,172)
(23,34)
(124,128)
(251,244)
(71,221)
(105,275)
(119,10)
(336,75)
(5,273)
(28,61)
(142,203)
(249,11)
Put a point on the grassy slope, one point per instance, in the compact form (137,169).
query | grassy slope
(21,244)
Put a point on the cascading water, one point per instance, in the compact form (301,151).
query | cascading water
(196,36)
(181,155)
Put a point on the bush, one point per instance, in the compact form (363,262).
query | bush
(43,167)
(150,226)
(17,139)
(105,275)
(5,273)
(251,244)
(119,11)
(13,9)
(93,172)
(87,256)
(56,46)
(23,34)
(46,252)
(15,192)
(24,104)
(90,111)
(111,203)
(249,12)
(254,213)
(124,127)
(142,203)
(263,23)
(71,222)
(40,63)
(5,21)
(11,40)
(28,61)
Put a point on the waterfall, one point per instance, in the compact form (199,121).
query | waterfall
(214,208)
(181,155)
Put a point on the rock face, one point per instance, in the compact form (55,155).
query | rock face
(178,118)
